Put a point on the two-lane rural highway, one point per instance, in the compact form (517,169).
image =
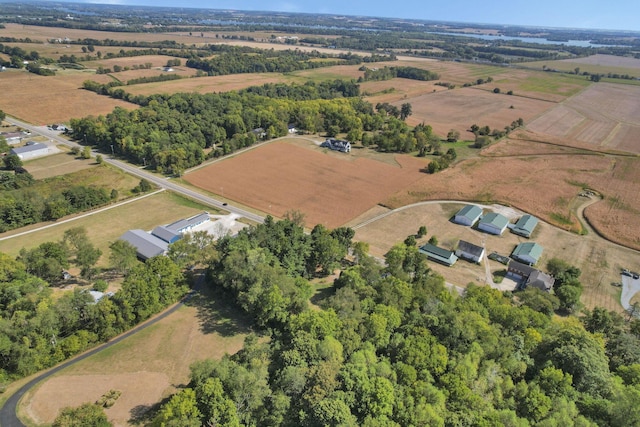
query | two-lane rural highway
(162,182)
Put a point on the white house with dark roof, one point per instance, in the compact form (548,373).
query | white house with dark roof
(469,251)
(468,215)
(493,223)
(30,151)
(337,145)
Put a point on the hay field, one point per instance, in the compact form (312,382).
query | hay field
(146,367)
(53,99)
(57,164)
(594,64)
(604,115)
(207,84)
(329,188)
(460,108)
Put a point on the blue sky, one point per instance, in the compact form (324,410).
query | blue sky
(612,14)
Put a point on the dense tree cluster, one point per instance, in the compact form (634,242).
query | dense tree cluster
(387,73)
(170,132)
(40,329)
(392,346)
(21,204)
(236,60)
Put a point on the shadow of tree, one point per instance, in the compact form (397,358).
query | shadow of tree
(218,314)
(143,414)
(321,295)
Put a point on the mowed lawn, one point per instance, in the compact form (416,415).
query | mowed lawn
(107,226)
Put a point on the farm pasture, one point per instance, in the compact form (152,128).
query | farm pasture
(329,188)
(460,108)
(57,164)
(593,64)
(54,99)
(604,115)
(207,84)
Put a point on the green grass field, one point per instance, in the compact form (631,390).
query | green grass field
(107,226)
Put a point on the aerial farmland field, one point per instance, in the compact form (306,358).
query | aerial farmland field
(329,188)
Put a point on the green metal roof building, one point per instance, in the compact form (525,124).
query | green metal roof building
(468,215)
(437,254)
(527,252)
(525,225)
(493,223)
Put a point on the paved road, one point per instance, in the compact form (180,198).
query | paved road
(160,181)
(8,417)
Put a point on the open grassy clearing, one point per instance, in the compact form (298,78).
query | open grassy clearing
(53,99)
(57,164)
(599,260)
(146,367)
(107,226)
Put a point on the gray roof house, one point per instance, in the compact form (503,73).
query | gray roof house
(469,251)
(525,226)
(337,145)
(529,276)
(540,280)
(31,150)
(147,245)
(468,215)
(493,223)
(527,252)
(437,254)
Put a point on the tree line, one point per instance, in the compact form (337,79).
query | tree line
(391,345)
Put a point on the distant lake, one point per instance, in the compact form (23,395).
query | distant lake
(539,40)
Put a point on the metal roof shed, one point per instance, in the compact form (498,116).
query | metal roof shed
(147,245)
(525,225)
(438,254)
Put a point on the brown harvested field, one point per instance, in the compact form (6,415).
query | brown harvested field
(595,64)
(146,367)
(329,188)
(599,260)
(208,84)
(53,99)
(460,108)
(544,181)
(604,114)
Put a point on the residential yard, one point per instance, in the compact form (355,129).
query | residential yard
(146,367)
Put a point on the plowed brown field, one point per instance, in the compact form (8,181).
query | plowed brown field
(53,99)
(329,188)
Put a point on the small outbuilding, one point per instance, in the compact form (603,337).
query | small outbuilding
(437,254)
(525,226)
(468,215)
(527,252)
(469,251)
(30,151)
(493,223)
